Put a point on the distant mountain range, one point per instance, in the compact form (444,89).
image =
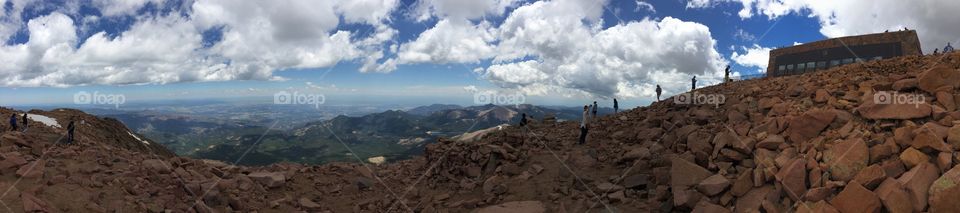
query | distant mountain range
(394,134)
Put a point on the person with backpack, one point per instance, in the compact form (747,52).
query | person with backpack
(13,122)
(616,106)
(70,128)
(25,125)
(583,125)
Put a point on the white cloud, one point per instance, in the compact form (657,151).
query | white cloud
(258,38)
(754,56)
(934,20)
(460,9)
(643,5)
(450,41)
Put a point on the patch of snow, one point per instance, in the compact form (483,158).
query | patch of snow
(44,119)
(138,138)
(377,160)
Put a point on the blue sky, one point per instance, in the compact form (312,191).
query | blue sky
(562,52)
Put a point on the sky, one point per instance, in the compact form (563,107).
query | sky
(559,52)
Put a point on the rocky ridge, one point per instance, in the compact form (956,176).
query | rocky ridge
(817,142)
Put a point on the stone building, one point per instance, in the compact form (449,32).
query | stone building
(824,54)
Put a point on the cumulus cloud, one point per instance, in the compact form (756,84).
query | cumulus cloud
(460,9)
(258,38)
(754,56)
(450,41)
(934,20)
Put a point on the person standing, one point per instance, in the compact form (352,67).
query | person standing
(616,106)
(726,74)
(13,122)
(70,128)
(694,81)
(948,48)
(25,125)
(658,92)
(594,109)
(583,125)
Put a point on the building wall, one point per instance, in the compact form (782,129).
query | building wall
(823,52)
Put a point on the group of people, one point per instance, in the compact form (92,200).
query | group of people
(13,123)
(24,119)
(590,112)
(946,49)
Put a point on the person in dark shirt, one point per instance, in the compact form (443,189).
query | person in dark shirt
(658,92)
(13,122)
(616,106)
(70,128)
(25,125)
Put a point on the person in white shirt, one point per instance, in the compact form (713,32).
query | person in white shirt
(583,124)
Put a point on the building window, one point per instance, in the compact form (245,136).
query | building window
(847,60)
(834,63)
(821,65)
(781,68)
(801,67)
(811,65)
(878,58)
(790,67)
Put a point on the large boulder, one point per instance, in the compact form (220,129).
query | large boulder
(846,159)
(917,182)
(684,174)
(793,177)
(713,185)
(268,179)
(891,109)
(944,193)
(937,78)
(894,197)
(855,198)
(806,126)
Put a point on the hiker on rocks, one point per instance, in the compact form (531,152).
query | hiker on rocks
(70,128)
(616,106)
(594,109)
(13,122)
(523,127)
(24,123)
(658,92)
(523,119)
(583,125)
(936,50)
(694,81)
(726,74)
(948,48)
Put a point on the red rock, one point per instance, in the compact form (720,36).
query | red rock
(911,157)
(899,111)
(707,207)
(904,135)
(846,159)
(928,141)
(944,193)
(944,161)
(793,177)
(883,151)
(743,184)
(157,166)
(938,77)
(817,194)
(268,179)
(953,137)
(819,207)
(871,176)
(917,182)
(33,204)
(946,100)
(515,207)
(855,198)
(821,96)
(905,84)
(893,168)
(684,174)
(713,185)
(11,160)
(752,200)
(687,198)
(772,142)
(307,204)
(895,199)
(32,170)
(809,125)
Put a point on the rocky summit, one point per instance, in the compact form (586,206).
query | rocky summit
(877,136)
